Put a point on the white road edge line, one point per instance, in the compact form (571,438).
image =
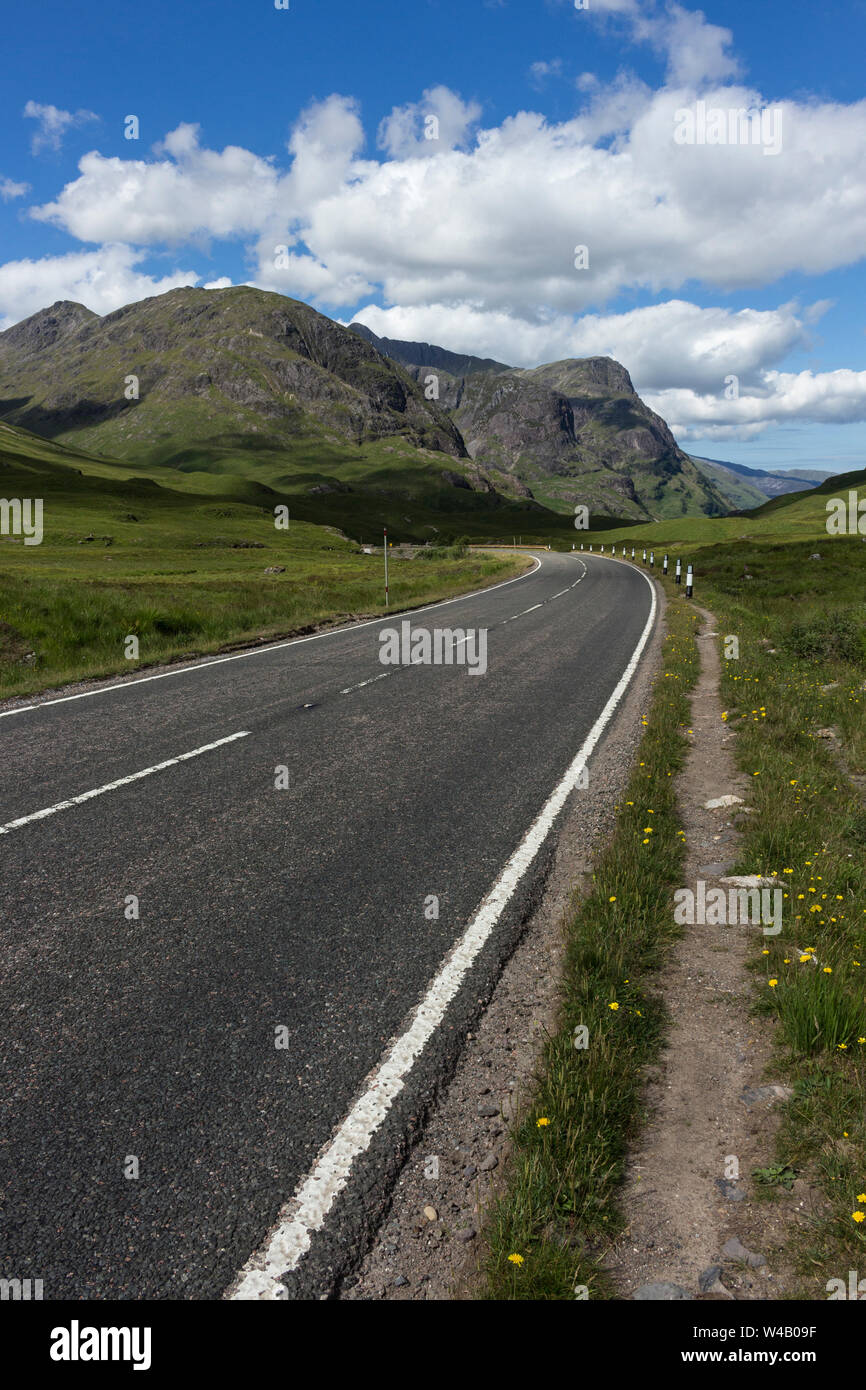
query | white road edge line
(121,782)
(274,647)
(305,1214)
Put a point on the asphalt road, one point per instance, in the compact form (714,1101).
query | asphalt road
(305,908)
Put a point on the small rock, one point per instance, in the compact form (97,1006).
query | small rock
(721,801)
(834,685)
(757,1095)
(275,569)
(752,881)
(430,1213)
(467,1234)
(489,1163)
(487,1109)
(825,733)
(815,557)
(660,1293)
(733,1249)
(730,1190)
(401,1281)
(712,870)
(708,1277)
(470,1172)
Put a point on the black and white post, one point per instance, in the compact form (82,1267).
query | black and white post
(678,577)
(652,559)
(690,582)
(665,565)
(644,557)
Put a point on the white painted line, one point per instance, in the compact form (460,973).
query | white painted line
(121,782)
(360,686)
(276,647)
(528,610)
(305,1214)
(561,592)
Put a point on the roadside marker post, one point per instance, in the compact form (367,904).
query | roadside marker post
(386,567)
(652,559)
(665,565)
(644,557)
(678,577)
(690,582)
(632,552)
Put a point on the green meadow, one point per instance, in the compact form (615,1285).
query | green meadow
(183,571)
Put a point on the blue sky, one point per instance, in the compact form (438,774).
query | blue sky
(286,148)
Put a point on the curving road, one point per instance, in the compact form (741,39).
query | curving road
(302,916)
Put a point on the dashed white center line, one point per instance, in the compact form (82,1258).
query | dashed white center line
(561,592)
(360,686)
(528,610)
(121,782)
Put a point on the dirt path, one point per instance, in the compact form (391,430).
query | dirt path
(710,1103)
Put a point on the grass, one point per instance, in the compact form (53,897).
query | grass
(801,674)
(182,572)
(559,1208)
(796,697)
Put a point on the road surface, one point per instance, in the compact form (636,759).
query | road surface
(304,916)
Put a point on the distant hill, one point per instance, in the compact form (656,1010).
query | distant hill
(746,487)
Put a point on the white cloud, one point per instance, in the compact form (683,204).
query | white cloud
(496,224)
(10,189)
(103,280)
(664,345)
(439,121)
(53,124)
(679,356)
(829,398)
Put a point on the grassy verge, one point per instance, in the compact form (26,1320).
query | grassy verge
(186,575)
(796,697)
(559,1208)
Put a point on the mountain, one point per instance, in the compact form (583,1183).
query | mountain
(749,487)
(248,384)
(214,368)
(260,391)
(568,432)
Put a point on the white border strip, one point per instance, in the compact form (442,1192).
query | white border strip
(274,647)
(121,782)
(305,1214)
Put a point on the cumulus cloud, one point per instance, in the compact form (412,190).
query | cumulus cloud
(497,223)
(103,280)
(676,343)
(53,124)
(439,121)
(830,398)
(680,356)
